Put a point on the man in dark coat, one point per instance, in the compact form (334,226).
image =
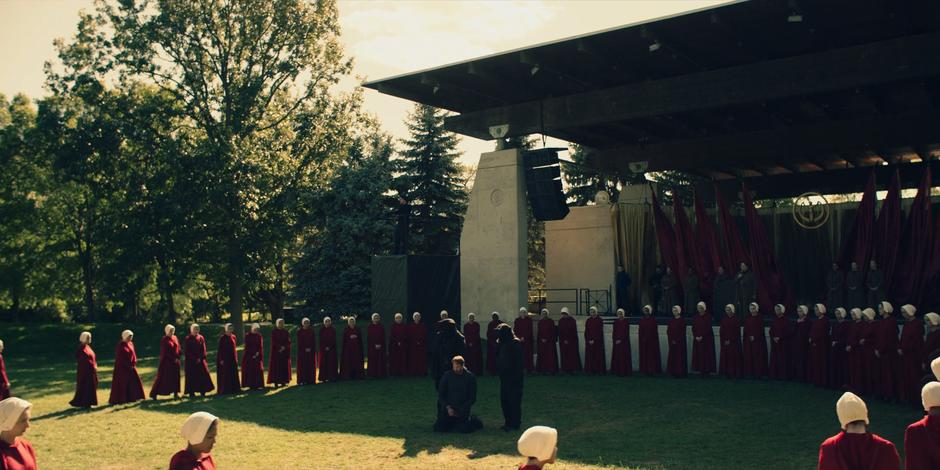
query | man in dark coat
(746,288)
(510,365)
(874,285)
(456,394)
(655,284)
(690,288)
(835,285)
(448,343)
(724,291)
(623,289)
(854,293)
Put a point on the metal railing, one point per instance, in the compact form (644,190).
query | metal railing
(581,299)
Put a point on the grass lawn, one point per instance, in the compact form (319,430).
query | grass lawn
(637,422)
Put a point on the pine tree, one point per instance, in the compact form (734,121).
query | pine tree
(583,183)
(431,179)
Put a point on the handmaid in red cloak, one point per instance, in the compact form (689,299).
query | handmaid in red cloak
(378,363)
(167,381)
(126,386)
(86,374)
(306,354)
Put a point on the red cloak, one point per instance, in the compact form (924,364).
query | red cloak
(886,345)
(755,347)
(651,361)
(253,361)
(168,370)
(781,331)
(417,349)
(4,380)
(867,366)
(19,456)
(912,353)
(730,335)
(125,383)
(523,329)
(799,349)
(568,344)
(226,365)
(185,460)
(378,363)
(198,379)
(678,355)
(398,350)
(858,451)
(621,358)
(548,343)
(855,352)
(817,361)
(838,357)
(491,337)
(86,378)
(306,356)
(350,367)
(931,344)
(279,368)
(703,344)
(922,444)
(471,335)
(326,358)
(595,361)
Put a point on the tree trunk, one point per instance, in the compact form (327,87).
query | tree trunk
(15,298)
(235,294)
(166,289)
(88,282)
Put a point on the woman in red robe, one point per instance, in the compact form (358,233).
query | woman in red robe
(817,366)
(198,379)
(548,344)
(126,386)
(676,363)
(703,342)
(378,367)
(621,358)
(279,368)
(398,348)
(855,447)
(226,362)
(16,453)
(471,334)
(253,359)
(651,362)
(780,332)
(922,437)
(911,352)
(838,355)
(855,351)
(326,356)
(200,431)
(886,353)
(730,335)
(755,344)
(595,361)
(4,380)
(168,370)
(932,341)
(306,357)
(866,341)
(350,367)
(86,375)
(492,336)
(417,347)
(568,343)
(799,347)
(524,331)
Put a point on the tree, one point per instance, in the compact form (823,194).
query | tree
(431,179)
(243,70)
(583,183)
(352,222)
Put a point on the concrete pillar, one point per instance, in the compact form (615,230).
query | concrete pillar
(493,256)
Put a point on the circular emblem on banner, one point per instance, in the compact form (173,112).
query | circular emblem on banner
(811,210)
(496,197)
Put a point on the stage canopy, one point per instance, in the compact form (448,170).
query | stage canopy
(786,96)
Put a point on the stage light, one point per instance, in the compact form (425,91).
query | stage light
(535,70)
(655,46)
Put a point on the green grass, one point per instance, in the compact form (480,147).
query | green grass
(638,422)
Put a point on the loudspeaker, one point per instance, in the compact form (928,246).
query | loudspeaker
(543,184)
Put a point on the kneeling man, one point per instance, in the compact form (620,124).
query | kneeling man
(456,394)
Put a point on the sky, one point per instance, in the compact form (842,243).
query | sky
(384,37)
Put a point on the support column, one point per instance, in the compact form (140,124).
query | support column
(493,256)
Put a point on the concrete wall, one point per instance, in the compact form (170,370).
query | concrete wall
(579,253)
(493,257)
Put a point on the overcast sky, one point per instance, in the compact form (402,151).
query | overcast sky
(385,37)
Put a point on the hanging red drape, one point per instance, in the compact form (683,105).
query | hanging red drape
(691,256)
(665,236)
(915,246)
(929,294)
(707,241)
(888,231)
(771,287)
(858,242)
(734,253)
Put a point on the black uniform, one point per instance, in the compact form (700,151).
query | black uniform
(509,364)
